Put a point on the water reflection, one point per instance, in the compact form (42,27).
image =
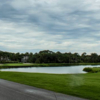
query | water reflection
(55,70)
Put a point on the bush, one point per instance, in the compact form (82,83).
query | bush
(88,69)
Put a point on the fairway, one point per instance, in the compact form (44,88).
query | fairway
(21,65)
(81,85)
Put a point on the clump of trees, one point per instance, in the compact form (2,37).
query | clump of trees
(47,56)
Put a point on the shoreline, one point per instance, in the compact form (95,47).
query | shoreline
(21,65)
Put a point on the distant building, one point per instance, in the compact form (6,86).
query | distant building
(25,59)
(4,59)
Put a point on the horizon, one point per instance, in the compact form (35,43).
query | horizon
(53,51)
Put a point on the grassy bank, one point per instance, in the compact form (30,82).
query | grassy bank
(92,70)
(82,85)
(18,65)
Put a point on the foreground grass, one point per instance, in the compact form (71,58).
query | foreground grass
(19,65)
(82,85)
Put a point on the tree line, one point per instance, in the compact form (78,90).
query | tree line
(47,56)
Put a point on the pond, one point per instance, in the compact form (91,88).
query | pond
(53,70)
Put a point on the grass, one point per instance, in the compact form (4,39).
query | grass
(96,69)
(92,70)
(16,65)
(81,85)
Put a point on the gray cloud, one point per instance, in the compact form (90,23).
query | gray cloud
(67,26)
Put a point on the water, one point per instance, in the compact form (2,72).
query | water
(53,70)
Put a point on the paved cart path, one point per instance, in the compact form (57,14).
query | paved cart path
(15,91)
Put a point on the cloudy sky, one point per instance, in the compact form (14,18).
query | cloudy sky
(57,25)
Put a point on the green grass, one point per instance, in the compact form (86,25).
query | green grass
(16,65)
(96,69)
(92,69)
(82,85)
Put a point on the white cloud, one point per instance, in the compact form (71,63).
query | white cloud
(68,25)
(92,5)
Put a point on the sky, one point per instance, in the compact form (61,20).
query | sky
(56,25)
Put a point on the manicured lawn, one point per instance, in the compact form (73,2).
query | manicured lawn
(16,65)
(82,85)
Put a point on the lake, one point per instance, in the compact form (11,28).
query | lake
(53,70)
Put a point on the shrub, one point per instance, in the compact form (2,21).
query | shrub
(88,69)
